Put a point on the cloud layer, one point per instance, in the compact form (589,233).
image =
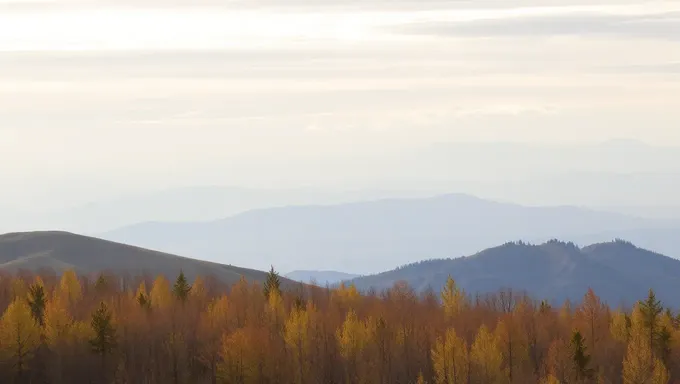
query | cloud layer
(246,87)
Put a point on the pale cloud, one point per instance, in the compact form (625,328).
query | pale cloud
(124,92)
(664,26)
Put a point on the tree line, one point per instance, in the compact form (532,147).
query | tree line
(109,329)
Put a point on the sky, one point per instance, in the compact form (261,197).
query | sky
(102,98)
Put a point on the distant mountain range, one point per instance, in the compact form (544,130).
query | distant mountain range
(180,205)
(619,272)
(620,176)
(321,278)
(59,251)
(374,236)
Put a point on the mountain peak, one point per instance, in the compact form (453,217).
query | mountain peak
(619,272)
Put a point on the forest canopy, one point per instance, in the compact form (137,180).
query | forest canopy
(108,329)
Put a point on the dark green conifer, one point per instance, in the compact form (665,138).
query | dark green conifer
(37,301)
(580,357)
(103,341)
(272,283)
(181,288)
(101,285)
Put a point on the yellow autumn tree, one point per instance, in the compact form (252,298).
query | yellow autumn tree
(550,379)
(450,359)
(19,336)
(198,291)
(239,357)
(142,296)
(590,313)
(619,327)
(70,289)
(514,349)
(212,324)
(558,362)
(346,295)
(660,374)
(18,286)
(80,333)
(352,337)
(160,295)
(297,337)
(58,322)
(276,313)
(639,365)
(454,300)
(486,358)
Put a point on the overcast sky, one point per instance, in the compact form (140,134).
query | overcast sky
(159,94)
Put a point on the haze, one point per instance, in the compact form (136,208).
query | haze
(557,102)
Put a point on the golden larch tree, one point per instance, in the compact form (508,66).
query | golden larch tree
(142,296)
(352,337)
(550,379)
(346,295)
(297,337)
(450,359)
(19,336)
(619,327)
(454,300)
(70,289)
(241,356)
(558,361)
(639,365)
(592,318)
(18,288)
(58,322)
(486,358)
(212,325)
(198,291)
(160,295)
(513,347)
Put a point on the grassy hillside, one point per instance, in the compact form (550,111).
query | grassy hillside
(34,251)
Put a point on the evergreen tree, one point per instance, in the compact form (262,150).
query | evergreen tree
(181,288)
(37,301)
(640,366)
(299,304)
(651,310)
(101,285)
(103,341)
(272,284)
(142,297)
(580,358)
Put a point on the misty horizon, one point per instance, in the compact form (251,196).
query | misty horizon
(201,111)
